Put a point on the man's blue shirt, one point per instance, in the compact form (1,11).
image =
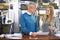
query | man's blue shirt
(28,23)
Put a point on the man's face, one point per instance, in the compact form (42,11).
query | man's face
(33,8)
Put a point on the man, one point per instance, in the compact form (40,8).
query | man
(28,21)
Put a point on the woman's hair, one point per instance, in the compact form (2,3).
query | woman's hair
(51,13)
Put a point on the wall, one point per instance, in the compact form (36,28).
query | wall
(13,14)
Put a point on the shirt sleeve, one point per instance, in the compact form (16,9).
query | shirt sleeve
(56,27)
(30,33)
(23,25)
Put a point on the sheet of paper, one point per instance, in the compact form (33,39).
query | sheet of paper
(2,35)
(14,36)
(43,33)
(57,35)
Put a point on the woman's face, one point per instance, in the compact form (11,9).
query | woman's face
(47,11)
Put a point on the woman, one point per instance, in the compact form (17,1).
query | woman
(56,27)
(48,19)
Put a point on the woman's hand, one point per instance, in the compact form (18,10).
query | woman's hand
(51,28)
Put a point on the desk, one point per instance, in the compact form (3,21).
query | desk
(41,37)
(26,37)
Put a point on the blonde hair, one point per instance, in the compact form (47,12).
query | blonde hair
(51,13)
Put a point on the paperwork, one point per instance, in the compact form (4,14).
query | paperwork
(14,36)
(57,34)
(2,35)
(43,33)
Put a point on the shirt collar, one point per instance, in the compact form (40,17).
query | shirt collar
(29,13)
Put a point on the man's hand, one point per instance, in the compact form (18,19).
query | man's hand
(34,34)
